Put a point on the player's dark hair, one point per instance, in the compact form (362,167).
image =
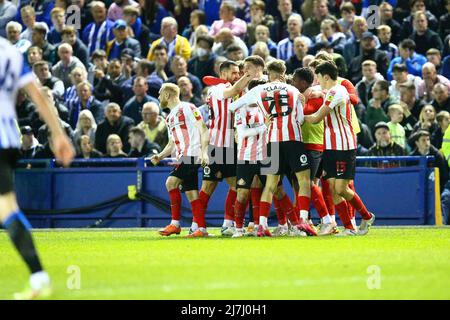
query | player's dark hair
(256,61)
(305,74)
(256,82)
(224,66)
(327,68)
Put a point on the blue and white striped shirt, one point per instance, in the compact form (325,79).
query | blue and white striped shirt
(286,47)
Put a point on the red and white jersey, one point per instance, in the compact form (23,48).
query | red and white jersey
(221,133)
(282,101)
(181,123)
(251,146)
(339,133)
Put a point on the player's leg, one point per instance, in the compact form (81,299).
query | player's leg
(255,195)
(230,200)
(190,186)
(173,188)
(341,207)
(245,174)
(19,231)
(280,202)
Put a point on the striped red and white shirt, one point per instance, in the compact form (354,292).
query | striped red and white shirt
(181,123)
(282,101)
(221,132)
(339,133)
(252,133)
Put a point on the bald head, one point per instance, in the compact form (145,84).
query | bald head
(429,71)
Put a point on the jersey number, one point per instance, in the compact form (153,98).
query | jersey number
(281,101)
(7,77)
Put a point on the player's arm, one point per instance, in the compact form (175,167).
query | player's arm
(167,151)
(62,147)
(244,131)
(204,140)
(238,87)
(319,115)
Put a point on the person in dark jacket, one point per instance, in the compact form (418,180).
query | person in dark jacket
(140,31)
(133,107)
(87,150)
(121,41)
(109,86)
(385,146)
(85,100)
(115,123)
(69,35)
(140,146)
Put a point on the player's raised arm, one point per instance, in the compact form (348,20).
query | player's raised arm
(63,148)
(319,115)
(167,151)
(238,87)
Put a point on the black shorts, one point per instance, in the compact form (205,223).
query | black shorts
(187,171)
(290,156)
(339,164)
(222,163)
(315,159)
(8,160)
(245,172)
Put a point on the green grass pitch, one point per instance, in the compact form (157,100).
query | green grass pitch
(388,263)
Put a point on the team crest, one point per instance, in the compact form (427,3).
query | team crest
(303,159)
(241,182)
(206,170)
(196,113)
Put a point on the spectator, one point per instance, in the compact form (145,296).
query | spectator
(300,51)
(197,19)
(133,107)
(38,40)
(140,146)
(114,147)
(443,120)
(86,126)
(423,36)
(400,76)
(186,91)
(262,34)
(352,47)
(369,52)
(427,121)
(114,123)
(370,76)
(144,69)
(162,69)
(98,33)
(8,11)
(59,22)
(28,16)
(109,86)
(139,31)
(13,30)
(379,104)
(86,148)
(69,36)
(441,101)
(66,65)
(386,18)
(384,145)
(408,96)
(260,49)
(285,10)
(408,22)
(152,14)
(85,100)
(121,41)
(320,13)
(203,59)
(175,44)
(430,79)
(398,135)
(364,139)
(77,76)
(46,152)
(423,147)
(228,20)
(153,125)
(285,46)
(384,34)
(348,13)
(331,34)
(129,62)
(25,110)
(30,145)
(116,9)
(408,56)
(100,63)
(42,71)
(257,18)
(434,56)
(444,21)
(179,69)
(235,53)
(224,39)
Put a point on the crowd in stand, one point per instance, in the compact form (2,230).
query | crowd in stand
(104,76)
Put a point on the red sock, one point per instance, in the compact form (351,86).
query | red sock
(295,218)
(288,209)
(198,213)
(318,201)
(357,203)
(344,215)
(264,208)
(239,212)
(229,204)
(349,205)
(255,194)
(281,215)
(327,196)
(175,203)
(204,197)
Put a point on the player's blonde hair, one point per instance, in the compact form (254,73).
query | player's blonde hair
(172,89)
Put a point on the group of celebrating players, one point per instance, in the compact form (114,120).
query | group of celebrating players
(262,129)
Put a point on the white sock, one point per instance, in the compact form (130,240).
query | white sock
(39,279)
(194,226)
(256,226)
(240,229)
(354,223)
(176,223)
(333,218)
(202,229)
(284,226)
(227,223)
(263,221)
(327,219)
(304,215)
